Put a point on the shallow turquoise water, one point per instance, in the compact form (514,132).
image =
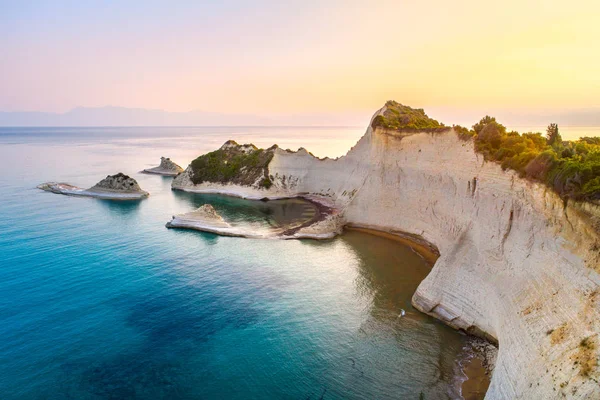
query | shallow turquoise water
(98,300)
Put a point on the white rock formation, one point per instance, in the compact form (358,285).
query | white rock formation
(205,218)
(113,187)
(516,265)
(166,168)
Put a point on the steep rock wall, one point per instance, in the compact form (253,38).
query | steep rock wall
(516,265)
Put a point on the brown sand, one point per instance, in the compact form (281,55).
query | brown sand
(424,251)
(477,383)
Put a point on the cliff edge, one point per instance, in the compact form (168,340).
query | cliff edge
(518,265)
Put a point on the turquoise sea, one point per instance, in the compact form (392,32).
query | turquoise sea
(98,300)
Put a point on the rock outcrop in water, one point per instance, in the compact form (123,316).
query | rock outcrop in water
(113,187)
(166,168)
(517,264)
(118,182)
(204,218)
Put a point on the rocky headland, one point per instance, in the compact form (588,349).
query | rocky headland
(166,168)
(113,187)
(518,263)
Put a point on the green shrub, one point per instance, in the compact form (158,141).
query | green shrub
(266,183)
(572,169)
(400,117)
(233,165)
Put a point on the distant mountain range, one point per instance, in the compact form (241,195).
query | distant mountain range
(122,116)
(587,117)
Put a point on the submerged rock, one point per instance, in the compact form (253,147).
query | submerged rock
(113,187)
(166,168)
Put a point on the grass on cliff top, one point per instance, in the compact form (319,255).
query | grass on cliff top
(400,117)
(570,168)
(233,166)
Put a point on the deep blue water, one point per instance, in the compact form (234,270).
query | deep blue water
(98,300)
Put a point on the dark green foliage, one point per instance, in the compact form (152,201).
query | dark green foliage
(572,169)
(403,118)
(567,153)
(233,165)
(266,183)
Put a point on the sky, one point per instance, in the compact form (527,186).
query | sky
(284,57)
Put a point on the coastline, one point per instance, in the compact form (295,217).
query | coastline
(476,364)
(472,365)
(423,248)
(324,225)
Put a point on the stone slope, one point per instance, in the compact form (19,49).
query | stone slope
(167,168)
(118,182)
(516,265)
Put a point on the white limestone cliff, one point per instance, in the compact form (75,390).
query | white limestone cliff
(516,265)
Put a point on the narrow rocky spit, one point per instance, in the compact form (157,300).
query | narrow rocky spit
(113,187)
(325,224)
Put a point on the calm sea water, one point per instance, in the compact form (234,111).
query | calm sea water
(98,300)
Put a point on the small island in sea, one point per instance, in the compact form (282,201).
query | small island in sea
(166,168)
(113,187)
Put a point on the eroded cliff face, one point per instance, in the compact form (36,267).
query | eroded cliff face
(516,264)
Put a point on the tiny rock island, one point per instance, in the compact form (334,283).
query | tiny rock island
(113,187)
(166,168)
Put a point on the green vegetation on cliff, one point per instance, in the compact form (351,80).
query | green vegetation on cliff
(403,118)
(571,168)
(232,163)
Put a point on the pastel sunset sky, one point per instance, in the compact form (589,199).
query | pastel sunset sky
(299,56)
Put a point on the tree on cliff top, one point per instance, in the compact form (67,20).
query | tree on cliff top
(483,122)
(552,135)
(490,135)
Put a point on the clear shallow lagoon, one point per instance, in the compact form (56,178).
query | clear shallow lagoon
(98,300)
